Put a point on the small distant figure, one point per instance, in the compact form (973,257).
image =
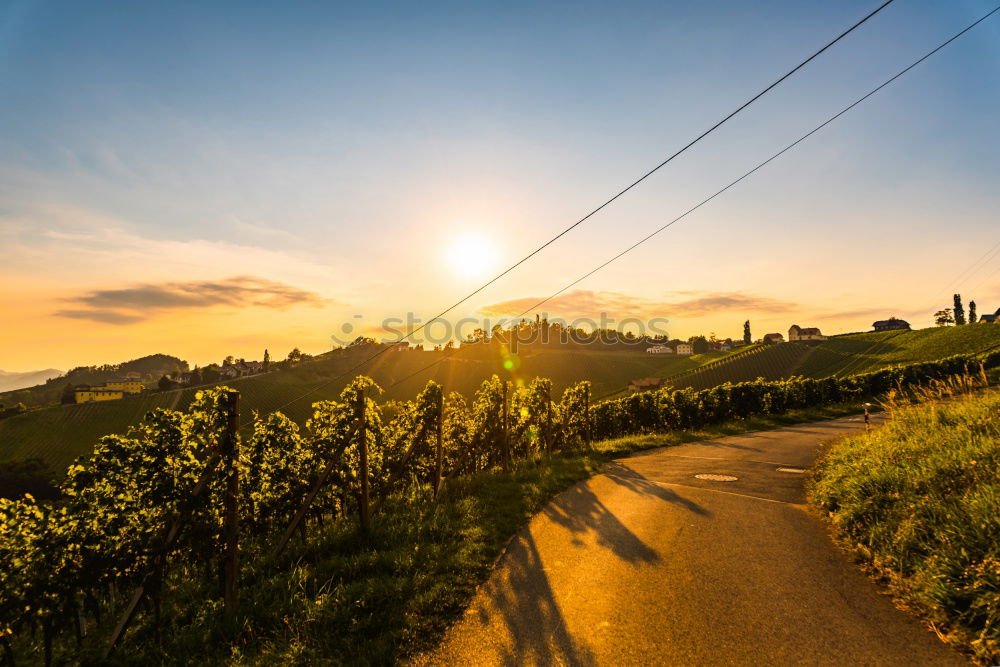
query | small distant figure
(867,422)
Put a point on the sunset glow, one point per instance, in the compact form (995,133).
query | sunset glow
(472,256)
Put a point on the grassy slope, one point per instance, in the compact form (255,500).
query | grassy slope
(59,434)
(771,362)
(340,599)
(860,353)
(919,502)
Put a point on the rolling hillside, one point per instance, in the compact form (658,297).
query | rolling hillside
(771,362)
(59,434)
(861,353)
(842,355)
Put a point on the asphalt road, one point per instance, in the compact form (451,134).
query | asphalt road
(647,564)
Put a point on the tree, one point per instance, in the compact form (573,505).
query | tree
(943,318)
(972,312)
(166,383)
(228,361)
(699,343)
(68,395)
(267,360)
(746,333)
(959,310)
(295,355)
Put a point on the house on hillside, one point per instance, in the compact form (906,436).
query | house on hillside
(685,349)
(891,324)
(111,390)
(87,394)
(809,333)
(991,319)
(645,384)
(241,369)
(659,349)
(774,338)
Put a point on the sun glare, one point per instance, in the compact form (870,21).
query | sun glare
(472,256)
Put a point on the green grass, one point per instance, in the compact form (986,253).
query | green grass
(339,598)
(918,501)
(861,353)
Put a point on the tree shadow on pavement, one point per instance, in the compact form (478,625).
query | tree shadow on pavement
(580,511)
(523,603)
(637,482)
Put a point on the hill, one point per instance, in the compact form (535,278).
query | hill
(11,381)
(49,391)
(59,434)
(848,354)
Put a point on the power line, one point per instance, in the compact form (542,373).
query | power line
(748,173)
(620,193)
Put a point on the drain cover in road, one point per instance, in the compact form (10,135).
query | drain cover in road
(798,470)
(716,478)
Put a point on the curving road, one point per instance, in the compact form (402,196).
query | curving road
(647,564)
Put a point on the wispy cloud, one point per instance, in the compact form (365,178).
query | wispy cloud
(590,303)
(101,315)
(136,303)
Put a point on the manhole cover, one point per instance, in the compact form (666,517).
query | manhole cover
(716,478)
(795,470)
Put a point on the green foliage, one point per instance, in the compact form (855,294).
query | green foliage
(919,501)
(682,409)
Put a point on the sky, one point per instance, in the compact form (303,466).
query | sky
(204,179)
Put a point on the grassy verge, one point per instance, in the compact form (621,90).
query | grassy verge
(918,502)
(340,598)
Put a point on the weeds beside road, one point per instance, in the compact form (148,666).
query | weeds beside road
(918,502)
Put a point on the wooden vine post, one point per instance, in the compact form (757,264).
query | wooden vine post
(506,431)
(230,452)
(548,422)
(438,449)
(363,456)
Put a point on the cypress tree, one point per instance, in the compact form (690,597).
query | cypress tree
(972,312)
(959,310)
(746,333)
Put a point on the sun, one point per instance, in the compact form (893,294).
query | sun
(471,255)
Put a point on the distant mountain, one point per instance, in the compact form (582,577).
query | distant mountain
(10,381)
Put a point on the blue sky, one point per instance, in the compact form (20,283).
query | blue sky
(341,149)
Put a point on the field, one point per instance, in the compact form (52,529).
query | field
(57,435)
(771,362)
(918,501)
(849,354)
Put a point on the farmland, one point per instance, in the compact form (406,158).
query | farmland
(849,354)
(59,434)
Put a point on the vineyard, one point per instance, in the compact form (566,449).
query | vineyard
(183,502)
(59,434)
(770,362)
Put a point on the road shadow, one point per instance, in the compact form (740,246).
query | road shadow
(524,604)
(580,511)
(639,483)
